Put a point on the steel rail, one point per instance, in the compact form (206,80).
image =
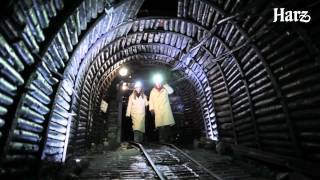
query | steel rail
(149,160)
(194,161)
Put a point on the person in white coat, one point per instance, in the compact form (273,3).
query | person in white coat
(136,109)
(159,106)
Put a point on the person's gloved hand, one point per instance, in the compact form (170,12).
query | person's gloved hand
(152,112)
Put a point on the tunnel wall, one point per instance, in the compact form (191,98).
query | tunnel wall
(253,90)
(191,127)
(79,137)
(265,93)
(26,84)
(30,132)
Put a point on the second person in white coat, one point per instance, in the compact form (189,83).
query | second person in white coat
(136,109)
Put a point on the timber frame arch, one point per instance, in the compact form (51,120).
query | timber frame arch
(56,57)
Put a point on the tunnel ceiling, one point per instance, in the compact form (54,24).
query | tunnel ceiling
(255,83)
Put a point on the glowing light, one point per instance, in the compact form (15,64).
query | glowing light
(157,78)
(124,87)
(77,160)
(123,71)
(138,84)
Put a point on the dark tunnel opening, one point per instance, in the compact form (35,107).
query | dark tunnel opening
(187,128)
(189,123)
(246,88)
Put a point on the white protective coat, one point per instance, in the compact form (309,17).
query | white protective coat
(136,109)
(159,102)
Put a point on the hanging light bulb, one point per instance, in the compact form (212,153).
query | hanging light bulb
(123,71)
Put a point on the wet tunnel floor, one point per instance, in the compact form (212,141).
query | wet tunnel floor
(125,163)
(129,163)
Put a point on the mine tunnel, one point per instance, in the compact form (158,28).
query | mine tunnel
(246,98)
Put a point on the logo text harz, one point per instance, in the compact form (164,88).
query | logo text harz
(281,15)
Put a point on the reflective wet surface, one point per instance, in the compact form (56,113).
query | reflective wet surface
(128,162)
(125,163)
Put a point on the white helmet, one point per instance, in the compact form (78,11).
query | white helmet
(137,84)
(157,78)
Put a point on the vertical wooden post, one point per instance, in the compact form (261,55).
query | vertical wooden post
(119,100)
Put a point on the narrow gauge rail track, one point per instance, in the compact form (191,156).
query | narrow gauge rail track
(170,162)
(166,161)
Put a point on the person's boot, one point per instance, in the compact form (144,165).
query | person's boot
(162,135)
